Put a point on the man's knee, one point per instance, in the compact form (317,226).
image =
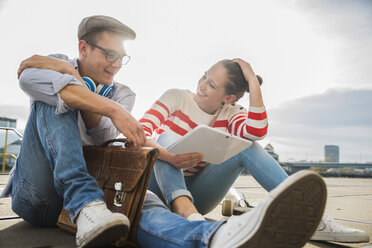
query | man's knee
(60,127)
(50,110)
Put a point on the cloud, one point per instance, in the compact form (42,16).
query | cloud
(334,108)
(343,17)
(300,128)
(2,3)
(347,26)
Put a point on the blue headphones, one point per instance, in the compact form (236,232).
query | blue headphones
(101,89)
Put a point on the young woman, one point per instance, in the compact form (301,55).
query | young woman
(184,182)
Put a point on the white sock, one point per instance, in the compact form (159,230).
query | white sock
(195,217)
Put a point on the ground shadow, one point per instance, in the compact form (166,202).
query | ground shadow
(18,233)
(323,244)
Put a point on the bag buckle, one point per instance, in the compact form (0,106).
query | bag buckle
(119,195)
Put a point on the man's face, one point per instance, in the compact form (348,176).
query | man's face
(94,61)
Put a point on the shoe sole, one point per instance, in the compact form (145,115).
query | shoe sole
(340,237)
(106,235)
(292,215)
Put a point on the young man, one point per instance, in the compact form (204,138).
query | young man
(50,170)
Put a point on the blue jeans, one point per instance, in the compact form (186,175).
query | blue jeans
(207,188)
(159,227)
(50,169)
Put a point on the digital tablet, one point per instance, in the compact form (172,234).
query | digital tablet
(217,146)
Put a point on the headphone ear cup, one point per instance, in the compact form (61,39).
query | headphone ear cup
(101,89)
(90,84)
(104,89)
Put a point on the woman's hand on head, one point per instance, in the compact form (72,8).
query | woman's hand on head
(186,160)
(44,62)
(255,95)
(247,70)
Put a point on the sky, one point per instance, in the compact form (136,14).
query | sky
(315,57)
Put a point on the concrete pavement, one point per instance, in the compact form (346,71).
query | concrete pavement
(349,202)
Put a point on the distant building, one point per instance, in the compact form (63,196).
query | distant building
(270,149)
(332,152)
(7,122)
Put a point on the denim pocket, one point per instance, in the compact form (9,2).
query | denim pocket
(29,204)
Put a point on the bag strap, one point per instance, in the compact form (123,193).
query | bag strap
(125,141)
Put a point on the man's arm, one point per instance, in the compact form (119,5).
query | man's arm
(49,85)
(90,119)
(105,129)
(35,81)
(79,98)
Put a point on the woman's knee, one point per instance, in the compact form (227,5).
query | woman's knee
(167,138)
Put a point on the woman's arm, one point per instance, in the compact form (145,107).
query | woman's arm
(255,96)
(180,161)
(252,126)
(153,119)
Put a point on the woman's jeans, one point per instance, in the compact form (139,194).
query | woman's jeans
(50,169)
(207,188)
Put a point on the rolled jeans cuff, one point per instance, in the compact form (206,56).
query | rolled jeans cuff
(177,193)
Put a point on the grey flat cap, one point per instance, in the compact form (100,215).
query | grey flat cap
(92,23)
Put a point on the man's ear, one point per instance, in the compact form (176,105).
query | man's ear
(230,99)
(83,48)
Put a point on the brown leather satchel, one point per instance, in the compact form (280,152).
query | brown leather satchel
(123,173)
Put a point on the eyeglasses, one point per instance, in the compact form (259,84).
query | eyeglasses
(111,56)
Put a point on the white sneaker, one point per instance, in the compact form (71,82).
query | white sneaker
(329,230)
(96,225)
(286,218)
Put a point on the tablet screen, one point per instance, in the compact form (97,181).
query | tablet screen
(217,146)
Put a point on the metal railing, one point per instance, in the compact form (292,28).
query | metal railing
(326,164)
(5,154)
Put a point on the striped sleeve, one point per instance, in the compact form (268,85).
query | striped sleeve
(252,126)
(159,112)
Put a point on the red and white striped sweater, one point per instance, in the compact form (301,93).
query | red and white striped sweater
(177,111)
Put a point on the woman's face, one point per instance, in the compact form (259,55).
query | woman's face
(211,89)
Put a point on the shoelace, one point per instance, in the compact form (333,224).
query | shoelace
(329,223)
(99,212)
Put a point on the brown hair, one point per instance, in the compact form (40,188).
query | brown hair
(237,85)
(94,36)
